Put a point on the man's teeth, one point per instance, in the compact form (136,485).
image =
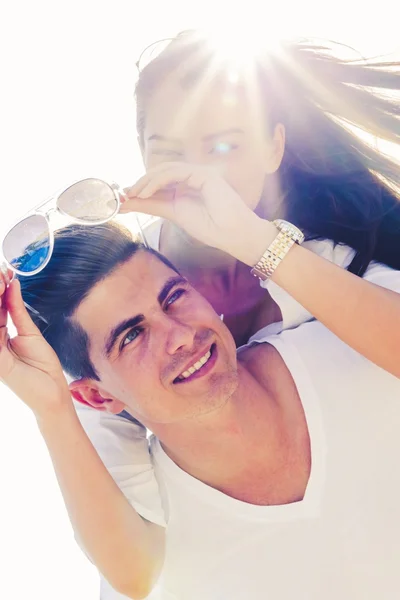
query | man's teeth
(202,361)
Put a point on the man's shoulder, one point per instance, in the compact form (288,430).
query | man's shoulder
(308,347)
(255,353)
(262,360)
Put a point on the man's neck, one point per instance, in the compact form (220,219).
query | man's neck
(249,443)
(204,444)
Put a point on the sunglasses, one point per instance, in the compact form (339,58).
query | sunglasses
(28,245)
(154,50)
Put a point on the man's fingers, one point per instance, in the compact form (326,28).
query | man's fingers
(2,286)
(3,317)
(4,281)
(18,313)
(7,274)
(3,335)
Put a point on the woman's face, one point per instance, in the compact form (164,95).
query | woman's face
(216,124)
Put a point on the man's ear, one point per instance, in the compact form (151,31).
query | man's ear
(88,392)
(276,149)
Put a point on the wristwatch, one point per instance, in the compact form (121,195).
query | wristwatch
(288,235)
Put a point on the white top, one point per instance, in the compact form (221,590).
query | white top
(123,446)
(342,541)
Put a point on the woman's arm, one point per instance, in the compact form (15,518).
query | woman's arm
(365,316)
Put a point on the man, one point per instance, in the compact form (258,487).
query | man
(277,467)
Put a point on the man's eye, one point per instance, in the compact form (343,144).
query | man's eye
(130,337)
(174,297)
(223,148)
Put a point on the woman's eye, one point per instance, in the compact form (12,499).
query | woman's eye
(174,297)
(223,148)
(130,337)
(165,152)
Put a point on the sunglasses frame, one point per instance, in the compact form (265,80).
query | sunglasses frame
(118,193)
(181,35)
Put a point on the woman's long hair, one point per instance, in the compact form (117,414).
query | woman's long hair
(335,180)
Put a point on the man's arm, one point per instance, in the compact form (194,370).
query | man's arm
(127,549)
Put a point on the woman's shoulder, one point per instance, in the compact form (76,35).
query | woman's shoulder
(151,233)
(384,276)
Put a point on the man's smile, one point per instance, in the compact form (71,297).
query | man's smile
(199,366)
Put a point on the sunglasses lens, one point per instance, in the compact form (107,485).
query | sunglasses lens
(90,200)
(27,246)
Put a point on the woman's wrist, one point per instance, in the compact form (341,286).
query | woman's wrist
(251,240)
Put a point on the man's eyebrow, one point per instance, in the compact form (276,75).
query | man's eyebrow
(218,134)
(134,321)
(168,285)
(117,330)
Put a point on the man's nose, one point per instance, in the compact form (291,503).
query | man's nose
(179,336)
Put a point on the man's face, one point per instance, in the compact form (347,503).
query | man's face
(157,344)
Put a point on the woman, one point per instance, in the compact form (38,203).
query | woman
(275,134)
(272,133)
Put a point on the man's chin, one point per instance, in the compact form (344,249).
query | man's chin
(223,386)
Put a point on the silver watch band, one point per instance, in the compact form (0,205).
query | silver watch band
(287,236)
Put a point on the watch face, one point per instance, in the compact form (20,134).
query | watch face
(289,229)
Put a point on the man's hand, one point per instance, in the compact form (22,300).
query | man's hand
(28,364)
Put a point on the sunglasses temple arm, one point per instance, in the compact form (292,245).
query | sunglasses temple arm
(141,232)
(35,312)
(123,195)
(5,272)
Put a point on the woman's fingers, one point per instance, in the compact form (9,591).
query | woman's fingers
(170,175)
(173,178)
(159,205)
(166,174)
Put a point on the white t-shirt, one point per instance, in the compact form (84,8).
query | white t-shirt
(342,541)
(123,446)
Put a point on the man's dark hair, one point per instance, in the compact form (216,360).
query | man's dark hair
(82,257)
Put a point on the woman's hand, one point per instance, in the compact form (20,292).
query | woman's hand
(28,364)
(200,201)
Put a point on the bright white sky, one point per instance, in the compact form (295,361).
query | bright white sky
(66,111)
